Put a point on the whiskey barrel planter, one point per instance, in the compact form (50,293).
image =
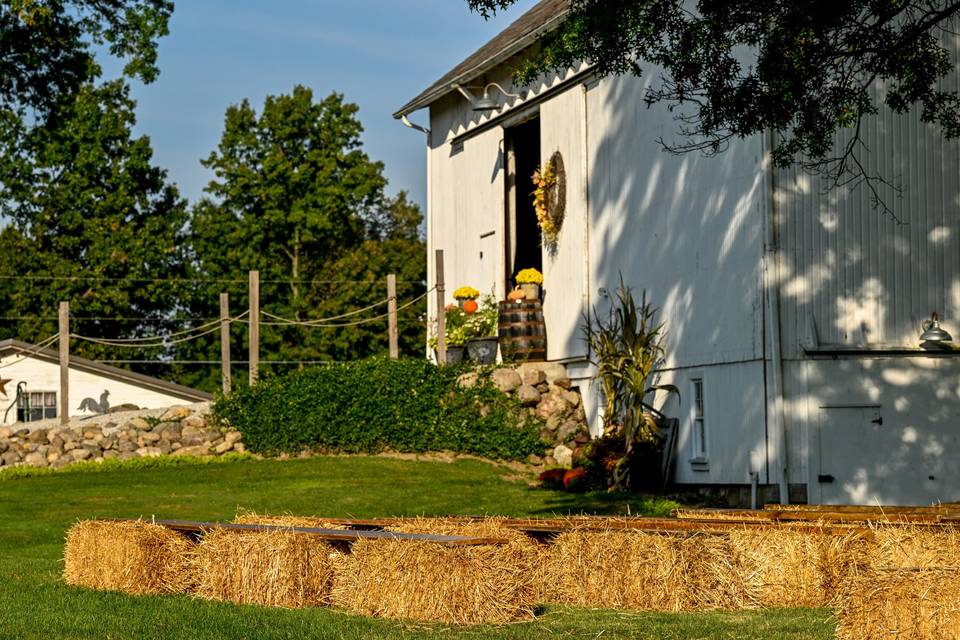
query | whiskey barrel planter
(523,335)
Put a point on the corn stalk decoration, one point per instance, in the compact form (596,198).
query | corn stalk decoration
(626,347)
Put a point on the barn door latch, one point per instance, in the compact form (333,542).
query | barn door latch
(825,478)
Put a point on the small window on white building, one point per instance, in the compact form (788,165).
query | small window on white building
(36,405)
(699,426)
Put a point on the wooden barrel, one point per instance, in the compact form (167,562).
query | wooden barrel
(523,335)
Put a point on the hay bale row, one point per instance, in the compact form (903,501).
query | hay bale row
(614,568)
(134,557)
(885,604)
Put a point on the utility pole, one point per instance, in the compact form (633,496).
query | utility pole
(392,334)
(64,322)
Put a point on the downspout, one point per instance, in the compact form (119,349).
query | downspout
(430,271)
(771,273)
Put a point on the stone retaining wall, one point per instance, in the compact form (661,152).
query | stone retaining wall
(178,431)
(546,393)
(541,388)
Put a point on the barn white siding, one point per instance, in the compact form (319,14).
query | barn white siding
(856,276)
(41,375)
(686,229)
(691,232)
(566,268)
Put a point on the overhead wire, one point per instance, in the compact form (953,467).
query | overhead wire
(287,322)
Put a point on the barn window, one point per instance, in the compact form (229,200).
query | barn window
(36,405)
(699,426)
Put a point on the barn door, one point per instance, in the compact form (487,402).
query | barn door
(864,459)
(563,132)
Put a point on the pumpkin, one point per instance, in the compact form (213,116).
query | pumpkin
(470,307)
(516,294)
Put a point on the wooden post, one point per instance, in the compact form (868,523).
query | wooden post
(254,333)
(225,343)
(64,362)
(441,311)
(392,316)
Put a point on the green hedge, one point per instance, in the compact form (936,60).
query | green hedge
(379,404)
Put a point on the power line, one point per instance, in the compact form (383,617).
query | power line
(284,322)
(196,280)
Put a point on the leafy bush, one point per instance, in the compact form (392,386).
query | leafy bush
(378,404)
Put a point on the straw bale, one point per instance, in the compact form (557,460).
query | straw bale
(900,547)
(132,557)
(285,520)
(426,581)
(645,571)
(788,568)
(900,603)
(272,568)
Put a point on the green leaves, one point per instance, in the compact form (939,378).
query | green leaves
(803,69)
(379,404)
(85,201)
(296,198)
(46,45)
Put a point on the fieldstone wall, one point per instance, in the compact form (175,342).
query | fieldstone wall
(178,431)
(546,393)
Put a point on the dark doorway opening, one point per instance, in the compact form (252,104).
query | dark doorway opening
(523,158)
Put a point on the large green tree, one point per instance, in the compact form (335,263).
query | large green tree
(296,198)
(803,69)
(90,220)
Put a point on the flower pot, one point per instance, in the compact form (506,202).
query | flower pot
(454,355)
(483,350)
(532,291)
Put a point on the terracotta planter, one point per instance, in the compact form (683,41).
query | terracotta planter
(483,350)
(532,291)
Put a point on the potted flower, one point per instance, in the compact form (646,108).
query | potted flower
(530,281)
(465,293)
(481,327)
(456,332)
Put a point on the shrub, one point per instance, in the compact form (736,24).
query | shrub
(379,404)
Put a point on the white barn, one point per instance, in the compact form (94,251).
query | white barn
(794,310)
(36,373)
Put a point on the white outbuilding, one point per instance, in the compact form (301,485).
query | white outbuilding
(793,311)
(30,386)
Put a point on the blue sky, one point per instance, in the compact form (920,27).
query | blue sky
(378,53)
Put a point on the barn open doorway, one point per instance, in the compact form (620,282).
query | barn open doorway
(523,249)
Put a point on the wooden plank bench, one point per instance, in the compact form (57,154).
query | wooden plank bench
(197,529)
(551,527)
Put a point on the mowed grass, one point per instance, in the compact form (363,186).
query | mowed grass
(36,512)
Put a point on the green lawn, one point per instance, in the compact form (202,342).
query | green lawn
(36,511)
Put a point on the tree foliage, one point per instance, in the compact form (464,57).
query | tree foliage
(803,69)
(90,220)
(296,198)
(47,47)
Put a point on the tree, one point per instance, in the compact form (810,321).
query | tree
(92,221)
(46,47)
(296,198)
(803,69)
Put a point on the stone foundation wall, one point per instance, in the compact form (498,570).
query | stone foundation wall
(178,431)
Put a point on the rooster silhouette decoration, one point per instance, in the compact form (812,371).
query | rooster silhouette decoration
(89,404)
